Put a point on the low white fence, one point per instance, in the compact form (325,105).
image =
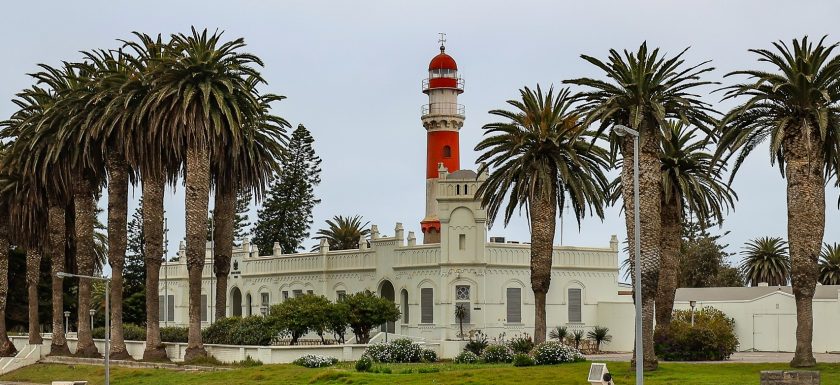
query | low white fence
(265,354)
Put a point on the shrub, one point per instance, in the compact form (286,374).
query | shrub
(401,350)
(254,330)
(173,334)
(364,364)
(493,354)
(599,335)
(249,362)
(477,343)
(301,315)
(712,338)
(559,333)
(131,332)
(552,352)
(522,360)
(315,361)
(428,355)
(521,344)
(466,357)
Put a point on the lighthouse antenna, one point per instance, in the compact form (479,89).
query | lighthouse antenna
(442,40)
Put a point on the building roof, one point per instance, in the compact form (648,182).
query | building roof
(708,294)
(463,174)
(443,62)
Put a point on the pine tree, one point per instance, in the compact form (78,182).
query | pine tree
(134,272)
(241,224)
(286,214)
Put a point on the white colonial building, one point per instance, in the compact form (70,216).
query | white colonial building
(455,263)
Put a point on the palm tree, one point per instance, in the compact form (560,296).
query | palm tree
(342,233)
(7,349)
(233,170)
(644,90)
(797,107)
(830,264)
(599,335)
(541,159)
(691,184)
(766,261)
(203,97)
(155,162)
(559,333)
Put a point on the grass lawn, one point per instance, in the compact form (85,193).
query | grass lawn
(441,373)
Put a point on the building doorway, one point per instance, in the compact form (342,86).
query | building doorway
(235,302)
(386,290)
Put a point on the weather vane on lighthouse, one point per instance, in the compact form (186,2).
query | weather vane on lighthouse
(441,41)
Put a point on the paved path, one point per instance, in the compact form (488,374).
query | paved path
(745,357)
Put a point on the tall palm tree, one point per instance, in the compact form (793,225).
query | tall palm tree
(540,159)
(7,349)
(830,264)
(232,170)
(766,260)
(146,56)
(796,105)
(691,184)
(643,90)
(202,97)
(343,233)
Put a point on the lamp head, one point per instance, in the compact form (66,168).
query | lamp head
(66,313)
(92,311)
(622,130)
(61,274)
(692,304)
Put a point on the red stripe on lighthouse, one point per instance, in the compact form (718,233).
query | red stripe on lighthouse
(442,146)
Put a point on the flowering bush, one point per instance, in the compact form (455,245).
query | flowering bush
(478,341)
(552,352)
(315,361)
(429,355)
(496,353)
(466,357)
(401,350)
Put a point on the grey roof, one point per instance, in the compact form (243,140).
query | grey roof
(463,174)
(746,293)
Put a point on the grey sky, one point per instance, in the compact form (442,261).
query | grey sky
(352,69)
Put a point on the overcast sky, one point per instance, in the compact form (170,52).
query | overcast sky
(352,70)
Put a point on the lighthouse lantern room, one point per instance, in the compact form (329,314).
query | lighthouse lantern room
(442,117)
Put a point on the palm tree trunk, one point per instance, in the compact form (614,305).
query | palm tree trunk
(154,184)
(7,349)
(543,213)
(806,228)
(196,201)
(117,227)
(33,273)
(57,235)
(224,214)
(670,266)
(650,182)
(85,219)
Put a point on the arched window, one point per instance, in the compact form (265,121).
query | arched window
(447,152)
(465,190)
(404,300)
(457,189)
(574,303)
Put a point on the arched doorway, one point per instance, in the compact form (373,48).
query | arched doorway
(386,290)
(235,302)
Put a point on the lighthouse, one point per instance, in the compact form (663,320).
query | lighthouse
(442,118)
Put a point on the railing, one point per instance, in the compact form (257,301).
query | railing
(442,109)
(459,84)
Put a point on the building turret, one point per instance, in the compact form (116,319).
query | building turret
(442,117)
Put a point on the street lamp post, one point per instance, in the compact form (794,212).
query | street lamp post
(92,312)
(107,317)
(66,321)
(692,304)
(623,131)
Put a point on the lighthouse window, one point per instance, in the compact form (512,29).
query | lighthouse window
(447,151)
(457,189)
(465,189)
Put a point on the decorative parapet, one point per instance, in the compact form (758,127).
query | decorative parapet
(562,257)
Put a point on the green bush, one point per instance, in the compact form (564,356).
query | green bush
(493,354)
(429,355)
(254,330)
(477,343)
(131,332)
(522,360)
(173,334)
(712,338)
(364,364)
(521,344)
(367,311)
(466,357)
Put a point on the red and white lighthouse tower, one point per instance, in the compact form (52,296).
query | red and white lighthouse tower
(442,117)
